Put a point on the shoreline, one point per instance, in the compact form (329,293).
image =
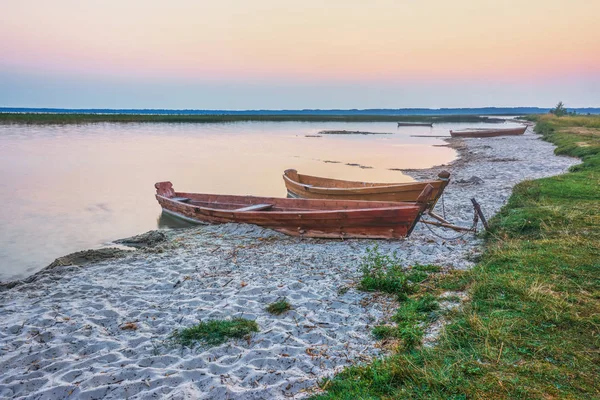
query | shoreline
(232,270)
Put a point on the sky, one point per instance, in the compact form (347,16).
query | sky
(273,54)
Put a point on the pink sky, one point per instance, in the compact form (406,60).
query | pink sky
(269,41)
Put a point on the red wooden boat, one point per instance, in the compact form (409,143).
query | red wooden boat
(488,132)
(299,217)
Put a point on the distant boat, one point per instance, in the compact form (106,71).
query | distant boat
(314,187)
(477,132)
(415,124)
(298,217)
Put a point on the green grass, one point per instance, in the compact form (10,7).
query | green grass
(409,319)
(531,328)
(384,273)
(279,307)
(426,268)
(214,332)
(57,118)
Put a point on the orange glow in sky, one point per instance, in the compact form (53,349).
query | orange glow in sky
(309,40)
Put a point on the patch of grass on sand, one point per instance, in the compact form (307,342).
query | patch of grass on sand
(214,332)
(279,307)
(531,327)
(409,319)
(384,273)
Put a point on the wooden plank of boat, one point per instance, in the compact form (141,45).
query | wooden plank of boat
(314,187)
(415,124)
(488,132)
(306,217)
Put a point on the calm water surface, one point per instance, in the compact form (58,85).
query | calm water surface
(73,187)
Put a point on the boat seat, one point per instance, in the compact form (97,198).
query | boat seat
(255,207)
(181,199)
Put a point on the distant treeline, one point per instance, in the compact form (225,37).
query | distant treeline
(373,111)
(82,118)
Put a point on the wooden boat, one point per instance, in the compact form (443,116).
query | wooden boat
(488,132)
(415,124)
(313,187)
(299,217)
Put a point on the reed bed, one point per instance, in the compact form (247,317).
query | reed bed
(64,118)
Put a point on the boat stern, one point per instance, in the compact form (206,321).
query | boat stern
(422,202)
(444,177)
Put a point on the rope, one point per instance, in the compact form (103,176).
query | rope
(473,227)
(443,206)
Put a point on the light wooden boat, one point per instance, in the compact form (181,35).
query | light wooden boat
(314,187)
(299,217)
(488,132)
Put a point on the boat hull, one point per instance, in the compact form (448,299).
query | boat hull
(298,217)
(489,132)
(312,187)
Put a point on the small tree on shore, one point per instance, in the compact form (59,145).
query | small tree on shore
(559,110)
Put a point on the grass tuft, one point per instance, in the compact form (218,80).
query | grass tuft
(409,320)
(384,273)
(279,307)
(214,332)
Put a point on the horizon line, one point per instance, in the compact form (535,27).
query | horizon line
(444,110)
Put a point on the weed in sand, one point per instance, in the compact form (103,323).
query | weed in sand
(214,332)
(384,273)
(409,320)
(279,307)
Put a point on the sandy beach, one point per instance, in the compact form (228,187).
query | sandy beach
(62,336)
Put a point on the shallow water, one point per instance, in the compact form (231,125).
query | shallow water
(68,188)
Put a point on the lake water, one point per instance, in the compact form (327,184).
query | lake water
(74,187)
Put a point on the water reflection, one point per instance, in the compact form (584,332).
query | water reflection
(167,221)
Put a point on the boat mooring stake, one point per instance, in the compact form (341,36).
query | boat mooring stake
(480,213)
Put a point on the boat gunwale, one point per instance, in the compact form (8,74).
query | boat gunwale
(386,188)
(400,205)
